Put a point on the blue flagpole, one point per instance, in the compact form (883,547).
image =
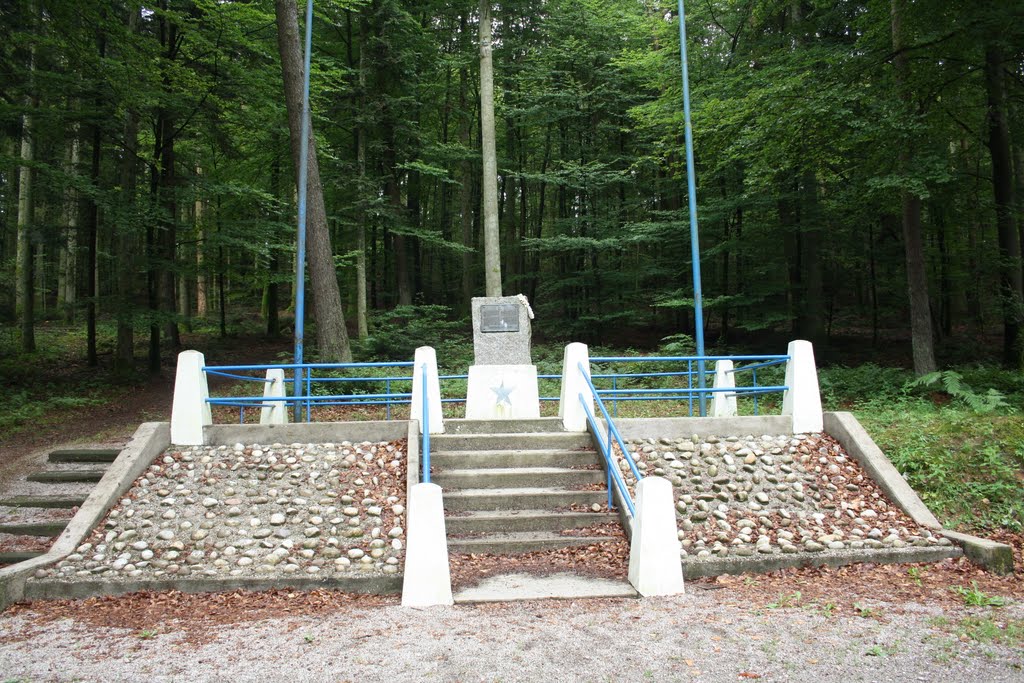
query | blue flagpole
(691,189)
(300,265)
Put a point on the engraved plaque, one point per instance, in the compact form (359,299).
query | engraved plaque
(499,318)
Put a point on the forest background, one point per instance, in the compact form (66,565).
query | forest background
(860,170)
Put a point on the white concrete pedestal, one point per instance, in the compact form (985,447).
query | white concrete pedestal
(502,392)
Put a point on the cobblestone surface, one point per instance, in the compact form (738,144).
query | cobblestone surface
(764,495)
(261,510)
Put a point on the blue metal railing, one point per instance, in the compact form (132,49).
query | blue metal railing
(306,399)
(607,445)
(693,392)
(425,426)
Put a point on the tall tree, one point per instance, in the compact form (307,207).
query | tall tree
(913,242)
(331,334)
(492,243)
(1011,278)
(25,292)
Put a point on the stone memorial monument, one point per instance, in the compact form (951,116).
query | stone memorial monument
(502,379)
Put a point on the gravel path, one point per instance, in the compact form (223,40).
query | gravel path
(707,635)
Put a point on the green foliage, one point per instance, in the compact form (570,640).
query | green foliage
(968,468)
(952,383)
(396,334)
(842,387)
(975,597)
(987,630)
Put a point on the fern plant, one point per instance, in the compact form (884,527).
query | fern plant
(952,383)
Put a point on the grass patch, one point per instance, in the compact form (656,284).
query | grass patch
(967,467)
(975,597)
(988,630)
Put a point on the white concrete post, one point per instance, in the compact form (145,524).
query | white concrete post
(802,400)
(189,411)
(655,566)
(274,412)
(426,355)
(723,403)
(574,417)
(427,579)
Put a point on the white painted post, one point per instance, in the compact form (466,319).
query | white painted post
(574,417)
(802,400)
(655,567)
(723,403)
(274,412)
(427,581)
(189,411)
(427,355)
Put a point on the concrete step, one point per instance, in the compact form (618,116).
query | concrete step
(15,556)
(564,586)
(551,457)
(515,477)
(66,476)
(518,542)
(85,455)
(542,424)
(42,501)
(496,441)
(50,529)
(524,520)
(520,499)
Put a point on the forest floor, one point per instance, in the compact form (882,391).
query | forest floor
(863,622)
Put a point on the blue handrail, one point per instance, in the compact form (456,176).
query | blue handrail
(689,392)
(306,399)
(606,445)
(425,426)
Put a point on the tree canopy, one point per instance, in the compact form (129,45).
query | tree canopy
(860,166)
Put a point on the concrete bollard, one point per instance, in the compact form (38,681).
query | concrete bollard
(655,567)
(189,411)
(574,417)
(274,412)
(802,400)
(723,404)
(426,355)
(427,581)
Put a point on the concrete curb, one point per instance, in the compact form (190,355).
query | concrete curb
(305,432)
(996,557)
(55,589)
(845,428)
(695,569)
(149,441)
(676,427)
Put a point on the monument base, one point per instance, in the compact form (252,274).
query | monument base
(502,392)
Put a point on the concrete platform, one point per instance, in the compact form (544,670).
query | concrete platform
(506,587)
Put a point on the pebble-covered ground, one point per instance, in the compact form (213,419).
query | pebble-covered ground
(764,495)
(257,510)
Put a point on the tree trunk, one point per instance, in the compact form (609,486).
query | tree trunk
(332,337)
(202,278)
(124,354)
(913,244)
(466,188)
(492,243)
(67,286)
(362,329)
(24,276)
(1011,284)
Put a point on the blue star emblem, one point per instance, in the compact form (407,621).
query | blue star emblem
(502,392)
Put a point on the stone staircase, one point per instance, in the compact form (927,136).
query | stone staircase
(76,471)
(516,486)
